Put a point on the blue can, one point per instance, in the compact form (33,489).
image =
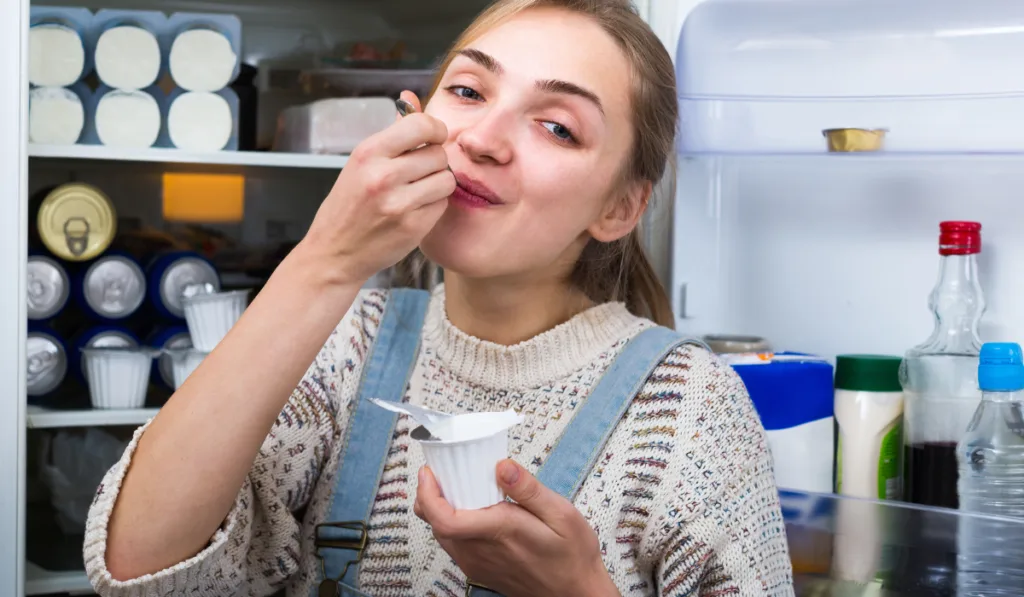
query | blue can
(169,338)
(112,287)
(46,362)
(99,336)
(170,273)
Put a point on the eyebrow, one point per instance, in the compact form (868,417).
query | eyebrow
(548,85)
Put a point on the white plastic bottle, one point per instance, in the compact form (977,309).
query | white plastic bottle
(869,413)
(990,562)
(869,410)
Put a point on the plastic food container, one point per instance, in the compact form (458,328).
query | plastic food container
(118,377)
(465,468)
(128,54)
(183,362)
(332,126)
(210,315)
(56,115)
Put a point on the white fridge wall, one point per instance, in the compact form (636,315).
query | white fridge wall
(666,18)
(13,184)
(837,254)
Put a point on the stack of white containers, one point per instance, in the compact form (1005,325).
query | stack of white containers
(58,60)
(119,377)
(131,51)
(210,316)
(203,60)
(128,64)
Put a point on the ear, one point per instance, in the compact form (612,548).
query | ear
(622,214)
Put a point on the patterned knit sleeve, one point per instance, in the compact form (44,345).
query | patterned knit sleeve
(259,546)
(720,531)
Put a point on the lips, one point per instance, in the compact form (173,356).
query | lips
(475,191)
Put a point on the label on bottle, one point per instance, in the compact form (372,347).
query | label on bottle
(839,463)
(890,457)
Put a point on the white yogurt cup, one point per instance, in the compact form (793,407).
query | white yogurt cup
(465,468)
(118,377)
(211,315)
(183,362)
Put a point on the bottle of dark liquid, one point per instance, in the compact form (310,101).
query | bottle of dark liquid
(939,376)
(940,390)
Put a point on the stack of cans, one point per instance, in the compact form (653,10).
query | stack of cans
(82,295)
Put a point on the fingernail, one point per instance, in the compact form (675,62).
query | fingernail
(509,473)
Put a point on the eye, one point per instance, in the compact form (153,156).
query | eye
(464,92)
(560,132)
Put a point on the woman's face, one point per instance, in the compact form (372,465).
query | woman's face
(539,129)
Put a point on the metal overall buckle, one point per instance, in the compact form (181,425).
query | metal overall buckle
(470,585)
(329,586)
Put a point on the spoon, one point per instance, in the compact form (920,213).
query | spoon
(405,109)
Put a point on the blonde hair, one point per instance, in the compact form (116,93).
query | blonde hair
(620,270)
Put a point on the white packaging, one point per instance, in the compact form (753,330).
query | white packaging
(202,121)
(128,119)
(183,362)
(332,126)
(868,421)
(211,315)
(56,115)
(56,55)
(204,50)
(128,57)
(202,59)
(462,451)
(466,470)
(118,377)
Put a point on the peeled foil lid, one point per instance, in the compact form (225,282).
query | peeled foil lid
(195,290)
(445,427)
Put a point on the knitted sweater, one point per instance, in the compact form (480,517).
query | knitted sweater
(683,499)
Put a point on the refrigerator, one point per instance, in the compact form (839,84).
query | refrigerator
(301,51)
(755,230)
(784,231)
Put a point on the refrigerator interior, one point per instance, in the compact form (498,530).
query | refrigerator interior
(837,253)
(281,193)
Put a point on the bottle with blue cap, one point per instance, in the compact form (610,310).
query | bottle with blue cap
(990,457)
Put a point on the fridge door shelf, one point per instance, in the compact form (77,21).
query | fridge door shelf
(773,75)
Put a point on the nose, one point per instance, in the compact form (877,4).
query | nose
(488,139)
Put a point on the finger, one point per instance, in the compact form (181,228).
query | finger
(426,191)
(435,510)
(420,163)
(532,495)
(407,134)
(448,523)
(412,98)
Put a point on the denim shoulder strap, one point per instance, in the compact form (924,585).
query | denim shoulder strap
(572,458)
(340,540)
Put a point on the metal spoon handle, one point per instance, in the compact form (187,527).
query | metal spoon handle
(405,109)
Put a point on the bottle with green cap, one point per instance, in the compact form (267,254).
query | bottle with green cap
(869,412)
(869,415)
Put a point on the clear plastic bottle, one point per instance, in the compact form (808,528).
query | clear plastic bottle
(990,562)
(939,376)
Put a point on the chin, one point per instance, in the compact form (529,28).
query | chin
(456,254)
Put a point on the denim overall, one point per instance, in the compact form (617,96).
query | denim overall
(341,542)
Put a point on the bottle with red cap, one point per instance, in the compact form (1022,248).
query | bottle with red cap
(939,376)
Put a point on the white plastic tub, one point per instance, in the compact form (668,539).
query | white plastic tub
(118,377)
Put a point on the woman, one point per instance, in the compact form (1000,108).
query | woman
(555,118)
